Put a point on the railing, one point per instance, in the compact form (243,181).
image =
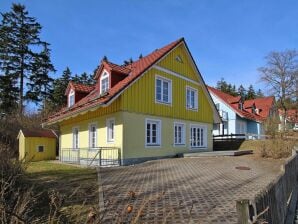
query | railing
(275,203)
(100,156)
(227,142)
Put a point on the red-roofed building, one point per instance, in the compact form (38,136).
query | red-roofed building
(241,117)
(290,121)
(157,106)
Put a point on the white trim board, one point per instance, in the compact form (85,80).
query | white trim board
(157,67)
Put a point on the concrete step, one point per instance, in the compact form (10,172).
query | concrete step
(218,153)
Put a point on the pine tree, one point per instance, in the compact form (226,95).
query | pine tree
(242,92)
(40,83)
(8,94)
(84,78)
(259,94)
(59,86)
(19,35)
(251,94)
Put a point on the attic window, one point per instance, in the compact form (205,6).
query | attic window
(104,83)
(71,98)
(179,59)
(240,106)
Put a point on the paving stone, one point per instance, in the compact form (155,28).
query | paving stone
(185,190)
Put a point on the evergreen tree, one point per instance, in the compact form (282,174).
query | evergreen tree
(84,78)
(19,35)
(259,94)
(8,94)
(251,94)
(59,86)
(40,83)
(242,92)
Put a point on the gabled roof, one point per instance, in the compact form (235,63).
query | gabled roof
(264,103)
(292,115)
(79,87)
(133,71)
(38,133)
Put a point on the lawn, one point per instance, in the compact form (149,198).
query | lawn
(75,186)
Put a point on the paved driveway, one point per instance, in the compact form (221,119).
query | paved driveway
(184,190)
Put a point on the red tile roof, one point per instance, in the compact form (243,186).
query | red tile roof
(112,67)
(264,104)
(38,133)
(79,87)
(134,70)
(292,115)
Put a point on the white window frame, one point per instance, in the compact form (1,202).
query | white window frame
(71,94)
(104,75)
(158,133)
(205,136)
(183,125)
(188,88)
(169,81)
(110,139)
(78,138)
(37,148)
(90,126)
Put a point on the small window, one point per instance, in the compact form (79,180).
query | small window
(179,59)
(240,106)
(217,106)
(40,148)
(153,132)
(92,136)
(163,90)
(104,83)
(191,98)
(75,138)
(71,98)
(179,134)
(111,130)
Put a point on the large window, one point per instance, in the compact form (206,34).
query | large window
(71,98)
(104,83)
(191,98)
(179,134)
(153,132)
(163,90)
(75,138)
(92,136)
(198,136)
(111,130)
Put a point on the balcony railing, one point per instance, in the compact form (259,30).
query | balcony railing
(100,156)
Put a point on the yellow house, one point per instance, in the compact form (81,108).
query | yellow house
(37,144)
(155,107)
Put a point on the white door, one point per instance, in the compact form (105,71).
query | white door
(198,136)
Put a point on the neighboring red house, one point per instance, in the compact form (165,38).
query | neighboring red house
(241,116)
(291,118)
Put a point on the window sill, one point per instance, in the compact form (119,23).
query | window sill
(163,103)
(180,145)
(191,109)
(152,146)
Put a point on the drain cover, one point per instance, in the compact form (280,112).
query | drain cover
(242,168)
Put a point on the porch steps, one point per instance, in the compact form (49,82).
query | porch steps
(218,153)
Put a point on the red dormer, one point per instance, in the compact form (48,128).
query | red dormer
(75,92)
(108,75)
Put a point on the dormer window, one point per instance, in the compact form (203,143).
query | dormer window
(240,106)
(104,83)
(71,98)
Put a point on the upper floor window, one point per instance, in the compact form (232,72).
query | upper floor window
(71,98)
(191,98)
(217,106)
(240,106)
(104,83)
(163,90)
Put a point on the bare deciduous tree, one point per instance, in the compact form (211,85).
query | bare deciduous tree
(281,76)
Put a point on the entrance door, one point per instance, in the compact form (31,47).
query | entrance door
(198,136)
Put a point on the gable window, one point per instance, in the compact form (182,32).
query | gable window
(153,130)
(71,98)
(179,134)
(198,136)
(75,138)
(191,98)
(40,148)
(104,83)
(92,136)
(217,105)
(110,130)
(240,106)
(163,90)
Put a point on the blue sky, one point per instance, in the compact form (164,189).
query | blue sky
(227,38)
